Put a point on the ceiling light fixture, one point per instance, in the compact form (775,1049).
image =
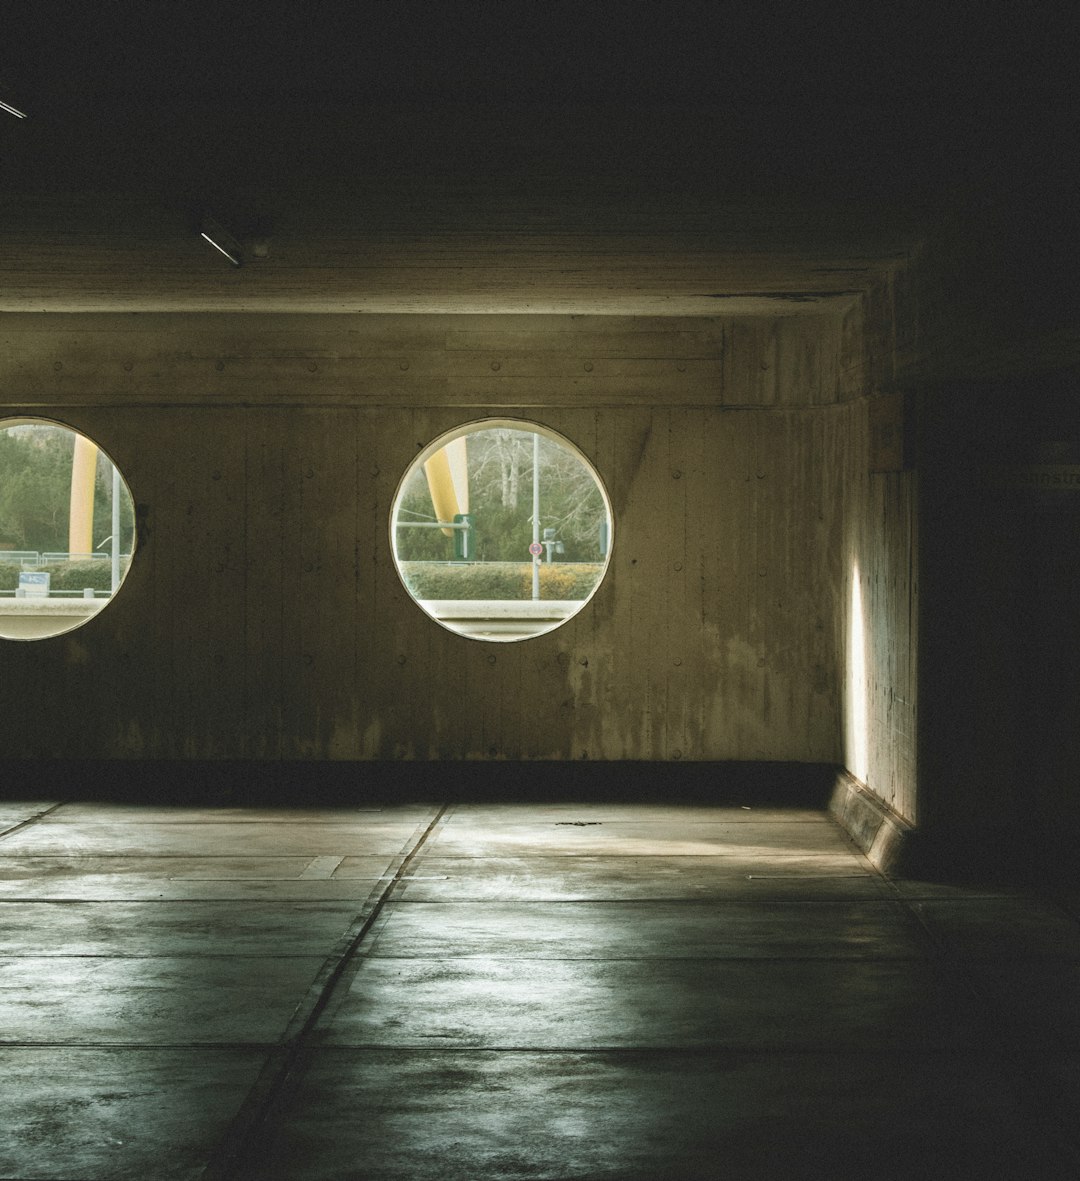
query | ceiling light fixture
(221,240)
(12,110)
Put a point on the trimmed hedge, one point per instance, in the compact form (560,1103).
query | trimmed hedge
(426,580)
(65,575)
(499,580)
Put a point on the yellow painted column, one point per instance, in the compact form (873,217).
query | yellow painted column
(447,474)
(83,476)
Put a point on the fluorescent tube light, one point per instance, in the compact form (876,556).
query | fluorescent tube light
(221,240)
(235,261)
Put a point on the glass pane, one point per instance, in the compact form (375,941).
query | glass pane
(501,530)
(67,529)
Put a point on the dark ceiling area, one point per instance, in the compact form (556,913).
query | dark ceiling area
(857,96)
(511,50)
(830,139)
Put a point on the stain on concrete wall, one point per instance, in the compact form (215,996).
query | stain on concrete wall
(263,617)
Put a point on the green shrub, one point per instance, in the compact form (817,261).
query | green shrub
(77,575)
(499,580)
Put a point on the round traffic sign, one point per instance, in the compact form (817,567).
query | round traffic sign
(536,549)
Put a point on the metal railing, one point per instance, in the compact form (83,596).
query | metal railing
(19,593)
(32,558)
(51,558)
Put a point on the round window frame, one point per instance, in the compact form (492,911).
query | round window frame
(17,420)
(527,426)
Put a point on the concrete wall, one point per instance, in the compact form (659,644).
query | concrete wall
(262,617)
(878,606)
(881,612)
(962,715)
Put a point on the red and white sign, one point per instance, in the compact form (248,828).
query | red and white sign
(536,549)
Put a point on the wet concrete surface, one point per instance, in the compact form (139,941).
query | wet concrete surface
(518,991)
(650,1115)
(646,930)
(540,878)
(210,839)
(708,1004)
(182,928)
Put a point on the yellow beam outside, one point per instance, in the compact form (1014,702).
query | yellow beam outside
(83,476)
(447,473)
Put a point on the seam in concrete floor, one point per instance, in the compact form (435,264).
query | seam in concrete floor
(270,1092)
(286,1060)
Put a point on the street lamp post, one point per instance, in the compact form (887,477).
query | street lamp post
(536,519)
(114,579)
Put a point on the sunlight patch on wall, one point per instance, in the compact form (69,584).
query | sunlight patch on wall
(856,723)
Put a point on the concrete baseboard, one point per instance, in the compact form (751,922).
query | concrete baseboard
(285,783)
(883,835)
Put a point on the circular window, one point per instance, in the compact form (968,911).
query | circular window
(67,529)
(501,530)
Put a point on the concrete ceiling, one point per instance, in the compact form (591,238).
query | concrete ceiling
(653,165)
(404,209)
(122,253)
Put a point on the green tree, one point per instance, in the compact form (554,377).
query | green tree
(35,491)
(35,487)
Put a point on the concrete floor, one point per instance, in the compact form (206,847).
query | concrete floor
(518,991)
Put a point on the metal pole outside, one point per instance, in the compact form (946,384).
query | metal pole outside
(536,517)
(115,579)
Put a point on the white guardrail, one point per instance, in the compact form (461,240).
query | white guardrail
(501,619)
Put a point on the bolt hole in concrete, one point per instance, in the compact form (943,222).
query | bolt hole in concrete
(67,529)
(501,530)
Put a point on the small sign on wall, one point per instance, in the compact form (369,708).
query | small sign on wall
(34,584)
